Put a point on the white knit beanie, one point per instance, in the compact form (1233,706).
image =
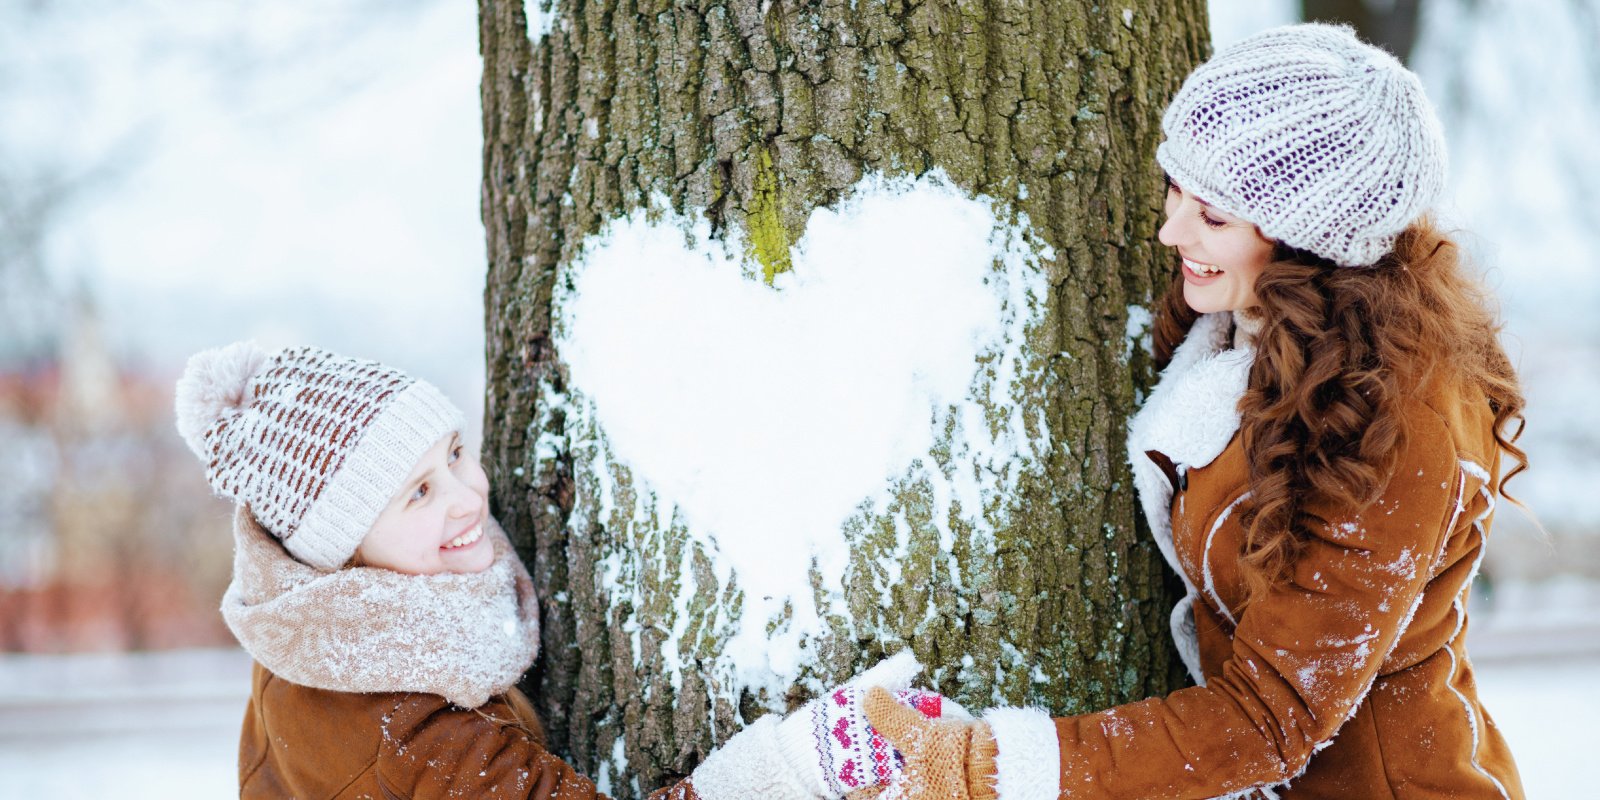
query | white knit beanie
(1326,143)
(315,444)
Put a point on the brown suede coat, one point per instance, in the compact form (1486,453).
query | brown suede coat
(1351,679)
(316,744)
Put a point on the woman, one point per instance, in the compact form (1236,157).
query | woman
(1319,462)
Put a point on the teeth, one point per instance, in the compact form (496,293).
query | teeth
(466,538)
(1201,269)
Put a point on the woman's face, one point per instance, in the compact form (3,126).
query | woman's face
(1222,254)
(434,524)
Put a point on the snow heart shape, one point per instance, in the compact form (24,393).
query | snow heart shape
(769,414)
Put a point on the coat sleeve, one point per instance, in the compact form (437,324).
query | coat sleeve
(432,750)
(1303,658)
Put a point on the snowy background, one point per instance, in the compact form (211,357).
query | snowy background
(179,175)
(295,172)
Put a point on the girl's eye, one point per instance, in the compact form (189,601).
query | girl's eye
(1213,223)
(420,493)
(455,454)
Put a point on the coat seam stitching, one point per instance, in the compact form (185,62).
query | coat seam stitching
(1459,606)
(1205,558)
(1377,742)
(267,749)
(372,765)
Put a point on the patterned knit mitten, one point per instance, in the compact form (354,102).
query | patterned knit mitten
(947,758)
(830,743)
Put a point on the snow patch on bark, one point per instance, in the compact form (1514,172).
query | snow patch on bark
(538,21)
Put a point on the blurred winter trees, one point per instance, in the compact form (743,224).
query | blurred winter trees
(1390,24)
(108,536)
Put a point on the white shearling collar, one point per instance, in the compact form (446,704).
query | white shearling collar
(1191,416)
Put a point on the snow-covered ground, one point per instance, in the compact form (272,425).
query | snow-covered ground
(167,725)
(155,725)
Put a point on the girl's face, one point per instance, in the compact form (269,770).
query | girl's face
(434,524)
(1222,254)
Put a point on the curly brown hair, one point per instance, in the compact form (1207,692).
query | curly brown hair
(1338,352)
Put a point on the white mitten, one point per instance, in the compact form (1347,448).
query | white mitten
(829,743)
(824,749)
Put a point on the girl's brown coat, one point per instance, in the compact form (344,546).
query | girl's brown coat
(317,744)
(370,684)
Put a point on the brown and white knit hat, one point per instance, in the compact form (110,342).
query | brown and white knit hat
(315,444)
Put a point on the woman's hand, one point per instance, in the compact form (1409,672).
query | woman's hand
(944,757)
(830,742)
(832,748)
(825,749)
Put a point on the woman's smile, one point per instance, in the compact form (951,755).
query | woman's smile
(1200,274)
(1195,228)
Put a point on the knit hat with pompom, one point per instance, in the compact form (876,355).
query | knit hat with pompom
(315,444)
(1324,142)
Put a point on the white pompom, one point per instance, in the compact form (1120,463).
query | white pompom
(214,382)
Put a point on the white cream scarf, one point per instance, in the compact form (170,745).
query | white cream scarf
(366,629)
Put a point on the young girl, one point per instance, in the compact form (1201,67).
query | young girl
(1319,462)
(390,618)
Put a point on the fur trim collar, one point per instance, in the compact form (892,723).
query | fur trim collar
(1190,417)
(365,629)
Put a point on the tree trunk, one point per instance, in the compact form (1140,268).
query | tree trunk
(753,113)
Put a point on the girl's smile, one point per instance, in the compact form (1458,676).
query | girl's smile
(435,522)
(466,539)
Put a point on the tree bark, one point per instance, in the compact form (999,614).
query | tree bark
(754,113)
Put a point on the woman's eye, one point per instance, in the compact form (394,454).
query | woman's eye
(420,493)
(455,454)
(1214,223)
